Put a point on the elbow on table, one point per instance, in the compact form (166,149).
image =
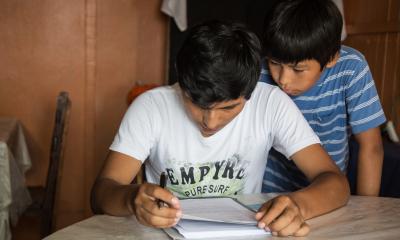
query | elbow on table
(94,203)
(343,190)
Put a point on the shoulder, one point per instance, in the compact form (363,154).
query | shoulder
(346,50)
(349,55)
(265,76)
(269,97)
(350,67)
(157,101)
(160,95)
(264,90)
(162,91)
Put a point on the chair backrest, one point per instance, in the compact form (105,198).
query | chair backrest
(56,156)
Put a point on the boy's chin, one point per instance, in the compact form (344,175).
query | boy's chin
(292,93)
(207,133)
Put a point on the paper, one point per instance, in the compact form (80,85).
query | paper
(192,229)
(214,218)
(225,210)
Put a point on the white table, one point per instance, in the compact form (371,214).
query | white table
(14,162)
(363,218)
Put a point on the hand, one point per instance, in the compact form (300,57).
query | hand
(282,217)
(147,211)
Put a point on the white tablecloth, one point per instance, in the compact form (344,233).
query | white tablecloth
(363,218)
(14,162)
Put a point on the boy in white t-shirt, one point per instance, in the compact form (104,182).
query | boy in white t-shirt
(210,134)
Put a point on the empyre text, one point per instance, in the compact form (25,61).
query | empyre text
(219,170)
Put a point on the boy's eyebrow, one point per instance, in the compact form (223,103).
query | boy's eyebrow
(233,105)
(297,65)
(273,60)
(229,106)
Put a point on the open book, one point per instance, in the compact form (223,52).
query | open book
(214,218)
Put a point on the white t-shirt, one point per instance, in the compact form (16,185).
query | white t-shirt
(156,127)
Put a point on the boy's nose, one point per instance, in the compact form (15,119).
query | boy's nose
(210,119)
(284,78)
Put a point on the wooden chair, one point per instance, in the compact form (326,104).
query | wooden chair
(41,210)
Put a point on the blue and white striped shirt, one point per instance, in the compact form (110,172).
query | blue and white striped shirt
(343,101)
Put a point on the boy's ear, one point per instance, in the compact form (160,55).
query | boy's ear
(333,61)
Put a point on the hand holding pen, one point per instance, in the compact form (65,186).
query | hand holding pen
(156,206)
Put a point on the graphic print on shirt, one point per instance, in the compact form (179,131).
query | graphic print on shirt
(220,178)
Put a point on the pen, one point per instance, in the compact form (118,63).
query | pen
(163,182)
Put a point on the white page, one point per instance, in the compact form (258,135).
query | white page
(217,210)
(202,229)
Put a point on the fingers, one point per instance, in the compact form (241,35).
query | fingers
(151,219)
(147,211)
(289,215)
(282,217)
(303,231)
(263,209)
(155,192)
(276,207)
(286,225)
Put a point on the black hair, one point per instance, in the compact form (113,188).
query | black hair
(219,61)
(300,30)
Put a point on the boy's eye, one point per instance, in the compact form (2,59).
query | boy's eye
(228,108)
(298,70)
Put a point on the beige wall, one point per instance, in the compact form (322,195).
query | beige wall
(94,49)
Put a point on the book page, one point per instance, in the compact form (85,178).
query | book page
(217,210)
(202,229)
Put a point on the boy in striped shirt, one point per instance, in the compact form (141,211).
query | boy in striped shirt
(332,86)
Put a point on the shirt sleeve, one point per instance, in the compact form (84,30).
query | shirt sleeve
(291,131)
(265,76)
(137,132)
(362,100)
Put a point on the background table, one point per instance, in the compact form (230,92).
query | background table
(14,162)
(362,218)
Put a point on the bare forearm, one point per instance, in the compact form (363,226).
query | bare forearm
(370,160)
(369,172)
(113,198)
(327,192)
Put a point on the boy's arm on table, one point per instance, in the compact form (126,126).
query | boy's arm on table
(370,160)
(114,194)
(329,189)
